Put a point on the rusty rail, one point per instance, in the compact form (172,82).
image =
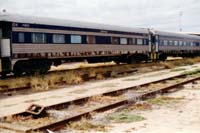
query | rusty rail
(59,124)
(112,92)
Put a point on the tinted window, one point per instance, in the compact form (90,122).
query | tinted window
(21,37)
(58,38)
(103,40)
(38,38)
(76,39)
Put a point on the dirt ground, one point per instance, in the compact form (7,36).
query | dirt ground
(179,113)
(18,104)
(181,117)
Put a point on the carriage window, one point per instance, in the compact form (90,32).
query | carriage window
(58,38)
(91,40)
(184,43)
(134,41)
(103,39)
(145,41)
(165,42)
(171,43)
(76,39)
(180,43)
(123,41)
(21,37)
(115,40)
(139,41)
(38,38)
(161,42)
(176,43)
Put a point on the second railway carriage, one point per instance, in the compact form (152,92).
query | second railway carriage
(30,44)
(177,44)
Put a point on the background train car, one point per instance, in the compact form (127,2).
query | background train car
(31,44)
(177,44)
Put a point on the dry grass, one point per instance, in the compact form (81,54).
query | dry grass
(85,125)
(99,76)
(186,61)
(101,99)
(197,59)
(14,83)
(140,106)
(70,77)
(29,121)
(53,80)
(44,82)
(39,84)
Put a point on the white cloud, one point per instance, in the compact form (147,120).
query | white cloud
(162,14)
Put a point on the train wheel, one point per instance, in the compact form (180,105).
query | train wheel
(41,66)
(162,57)
(3,75)
(17,70)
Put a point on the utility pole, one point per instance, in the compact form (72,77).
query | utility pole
(180,21)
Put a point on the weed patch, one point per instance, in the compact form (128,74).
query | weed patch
(124,117)
(164,101)
(86,126)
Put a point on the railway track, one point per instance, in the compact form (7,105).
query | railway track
(11,76)
(85,106)
(6,90)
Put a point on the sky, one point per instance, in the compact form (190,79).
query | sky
(156,14)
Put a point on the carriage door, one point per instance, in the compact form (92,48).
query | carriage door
(5,53)
(153,45)
(157,43)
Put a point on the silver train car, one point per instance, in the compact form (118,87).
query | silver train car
(32,44)
(177,44)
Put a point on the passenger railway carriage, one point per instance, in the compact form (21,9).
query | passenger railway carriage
(30,44)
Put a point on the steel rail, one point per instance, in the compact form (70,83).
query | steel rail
(59,124)
(111,92)
(145,95)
